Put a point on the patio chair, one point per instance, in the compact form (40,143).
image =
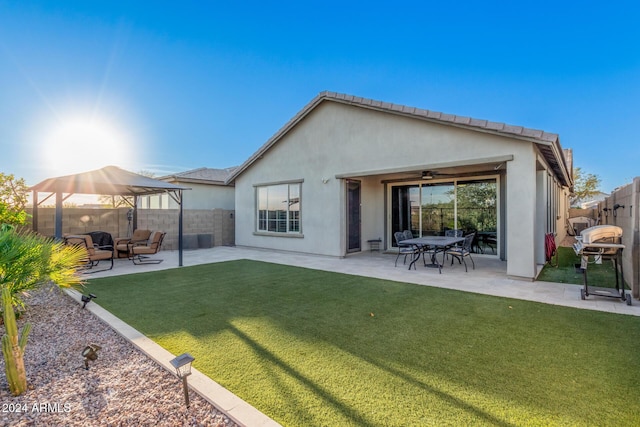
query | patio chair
(461,252)
(454,233)
(139,252)
(408,234)
(424,249)
(95,253)
(403,249)
(476,247)
(122,244)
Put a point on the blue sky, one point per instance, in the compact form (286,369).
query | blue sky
(182,85)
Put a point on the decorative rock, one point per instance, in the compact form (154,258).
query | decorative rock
(121,387)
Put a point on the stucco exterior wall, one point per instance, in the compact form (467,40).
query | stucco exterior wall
(337,139)
(373,218)
(207,197)
(200,196)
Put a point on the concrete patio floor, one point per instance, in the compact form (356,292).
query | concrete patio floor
(489,277)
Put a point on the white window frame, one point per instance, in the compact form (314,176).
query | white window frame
(289,231)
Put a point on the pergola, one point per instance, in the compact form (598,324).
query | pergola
(111,181)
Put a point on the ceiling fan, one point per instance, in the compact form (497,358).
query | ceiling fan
(426,175)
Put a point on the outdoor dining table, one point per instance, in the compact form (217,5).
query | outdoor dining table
(436,243)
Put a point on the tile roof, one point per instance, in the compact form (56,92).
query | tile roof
(549,142)
(206,175)
(471,122)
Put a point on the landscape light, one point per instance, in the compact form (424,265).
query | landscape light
(182,364)
(85,299)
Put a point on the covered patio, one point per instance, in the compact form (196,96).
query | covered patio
(430,199)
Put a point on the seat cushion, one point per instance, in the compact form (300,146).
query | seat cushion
(100,254)
(154,238)
(143,250)
(83,240)
(140,234)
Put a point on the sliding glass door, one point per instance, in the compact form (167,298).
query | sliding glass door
(477,203)
(437,208)
(434,207)
(405,208)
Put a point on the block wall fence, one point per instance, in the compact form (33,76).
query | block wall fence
(201,228)
(623,209)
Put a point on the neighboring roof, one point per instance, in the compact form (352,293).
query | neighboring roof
(548,143)
(110,180)
(201,176)
(591,202)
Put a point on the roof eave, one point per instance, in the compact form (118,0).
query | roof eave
(174,180)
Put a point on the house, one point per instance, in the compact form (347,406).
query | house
(591,202)
(208,209)
(345,170)
(207,190)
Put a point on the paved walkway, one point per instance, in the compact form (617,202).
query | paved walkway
(488,278)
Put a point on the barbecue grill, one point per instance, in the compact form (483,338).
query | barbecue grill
(602,242)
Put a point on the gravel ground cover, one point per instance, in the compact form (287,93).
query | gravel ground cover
(122,387)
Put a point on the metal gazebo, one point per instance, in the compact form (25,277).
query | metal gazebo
(110,180)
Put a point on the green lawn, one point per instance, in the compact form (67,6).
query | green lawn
(602,275)
(314,348)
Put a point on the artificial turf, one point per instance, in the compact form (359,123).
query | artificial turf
(315,348)
(563,270)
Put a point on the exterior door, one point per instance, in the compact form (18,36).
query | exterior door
(353,216)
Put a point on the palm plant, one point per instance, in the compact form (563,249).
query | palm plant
(26,262)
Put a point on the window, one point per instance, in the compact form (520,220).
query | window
(279,208)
